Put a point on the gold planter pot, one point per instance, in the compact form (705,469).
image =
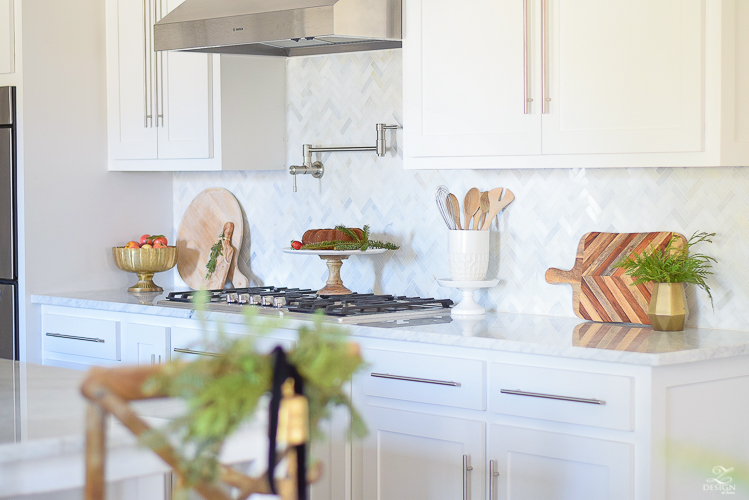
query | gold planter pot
(668,307)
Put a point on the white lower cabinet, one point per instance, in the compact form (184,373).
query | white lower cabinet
(418,456)
(145,344)
(528,464)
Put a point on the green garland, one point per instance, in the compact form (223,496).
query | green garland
(358,244)
(223,392)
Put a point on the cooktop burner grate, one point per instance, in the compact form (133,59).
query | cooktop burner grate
(364,304)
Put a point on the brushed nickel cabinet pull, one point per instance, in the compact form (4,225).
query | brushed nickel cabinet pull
(552,396)
(415,379)
(156,5)
(526,100)
(492,474)
(467,477)
(146,68)
(544,70)
(73,337)
(160,90)
(199,353)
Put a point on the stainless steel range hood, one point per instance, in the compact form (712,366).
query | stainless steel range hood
(281,27)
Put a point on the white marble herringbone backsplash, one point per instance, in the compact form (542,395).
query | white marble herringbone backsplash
(337,100)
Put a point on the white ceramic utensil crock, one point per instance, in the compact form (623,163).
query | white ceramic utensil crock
(468,254)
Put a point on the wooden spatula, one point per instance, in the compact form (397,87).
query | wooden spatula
(453,209)
(484,207)
(471,206)
(496,205)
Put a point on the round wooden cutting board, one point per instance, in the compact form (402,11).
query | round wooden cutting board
(200,229)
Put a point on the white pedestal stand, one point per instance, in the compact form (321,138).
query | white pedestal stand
(468,305)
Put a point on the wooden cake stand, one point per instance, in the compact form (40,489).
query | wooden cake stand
(334,259)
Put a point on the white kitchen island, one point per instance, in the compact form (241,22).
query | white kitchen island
(509,407)
(42,440)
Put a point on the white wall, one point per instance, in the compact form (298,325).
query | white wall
(75,210)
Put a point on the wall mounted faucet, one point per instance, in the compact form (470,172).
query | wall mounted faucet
(317,169)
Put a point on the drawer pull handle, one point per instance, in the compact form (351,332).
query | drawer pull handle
(467,468)
(199,353)
(414,379)
(73,337)
(552,396)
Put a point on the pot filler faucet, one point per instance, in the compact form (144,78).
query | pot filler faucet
(317,168)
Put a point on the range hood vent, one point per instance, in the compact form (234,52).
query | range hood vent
(284,28)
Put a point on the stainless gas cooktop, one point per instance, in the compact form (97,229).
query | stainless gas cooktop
(297,303)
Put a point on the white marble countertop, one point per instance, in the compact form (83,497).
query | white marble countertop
(525,333)
(42,433)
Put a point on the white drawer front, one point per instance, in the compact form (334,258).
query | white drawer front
(424,378)
(562,395)
(188,343)
(95,338)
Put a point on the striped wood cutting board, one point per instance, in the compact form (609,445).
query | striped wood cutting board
(601,292)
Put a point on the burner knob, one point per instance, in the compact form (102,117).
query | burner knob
(268,300)
(244,298)
(256,300)
(279,302)
(231,298)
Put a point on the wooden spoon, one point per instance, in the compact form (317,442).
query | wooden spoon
(497,205)
(484,206)
(471,205)
(453,209)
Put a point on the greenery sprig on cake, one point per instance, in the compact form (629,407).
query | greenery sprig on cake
(362,243)
(673,264)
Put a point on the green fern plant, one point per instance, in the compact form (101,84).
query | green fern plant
(673,264)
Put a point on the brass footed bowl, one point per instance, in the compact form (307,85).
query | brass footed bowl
(145,262)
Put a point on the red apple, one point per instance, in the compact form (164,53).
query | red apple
(159,239)
(158,244)
(144,239)
(132,244)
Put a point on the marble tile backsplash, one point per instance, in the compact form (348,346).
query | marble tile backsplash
(338,99)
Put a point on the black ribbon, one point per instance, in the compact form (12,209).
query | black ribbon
(282,370)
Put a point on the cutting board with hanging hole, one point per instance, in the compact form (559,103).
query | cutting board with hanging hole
(602,292)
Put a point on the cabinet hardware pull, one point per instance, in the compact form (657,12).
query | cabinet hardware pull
(153,359)
(414,379)
(526,99)
(467,477)
(156,5)
(73,337)
(492,474)
(552,396)
(146,72)
(544,70)
(199,353)
(160,109)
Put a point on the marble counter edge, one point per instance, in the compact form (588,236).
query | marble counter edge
(436,338)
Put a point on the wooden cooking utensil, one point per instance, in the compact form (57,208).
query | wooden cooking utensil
(453,209)
(471,206)
(484,207)
(496,204)
(602,292)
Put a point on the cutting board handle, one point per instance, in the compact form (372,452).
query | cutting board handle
(554,275)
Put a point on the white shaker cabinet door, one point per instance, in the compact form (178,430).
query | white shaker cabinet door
(130,89)
(418,456)
(528,464)
(624,76)
(144,344)
(466,79)
(184,97)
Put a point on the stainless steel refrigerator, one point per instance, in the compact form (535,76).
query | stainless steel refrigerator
(8,226)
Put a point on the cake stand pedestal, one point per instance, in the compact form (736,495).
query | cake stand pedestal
(334,259)
(468,305)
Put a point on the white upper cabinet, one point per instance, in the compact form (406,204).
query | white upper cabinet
(7,37)
(624,83)
(167,110)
